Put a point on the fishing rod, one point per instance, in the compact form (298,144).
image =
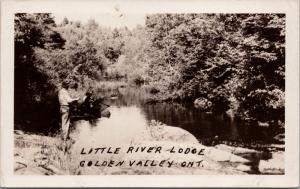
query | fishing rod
(102,103)
(107,106)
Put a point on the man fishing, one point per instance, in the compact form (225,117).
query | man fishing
(64,101)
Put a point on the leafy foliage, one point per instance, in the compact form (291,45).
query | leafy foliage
(31,86)
(235,61)
(221,62)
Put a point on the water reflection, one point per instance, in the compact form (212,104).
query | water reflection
(203,126)
(125,125)
(130,115)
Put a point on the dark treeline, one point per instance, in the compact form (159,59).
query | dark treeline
(227,62)
(231,63)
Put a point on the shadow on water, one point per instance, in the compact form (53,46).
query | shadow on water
(209,129)
(130,112)
(205,127)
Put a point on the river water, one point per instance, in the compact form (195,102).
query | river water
(130,115)
(205,127)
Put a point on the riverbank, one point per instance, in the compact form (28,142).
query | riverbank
(43,155)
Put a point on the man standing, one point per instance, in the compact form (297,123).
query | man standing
(64,101)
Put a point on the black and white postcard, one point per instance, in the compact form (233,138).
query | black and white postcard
(150,93)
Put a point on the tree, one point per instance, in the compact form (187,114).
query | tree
(32,31)
(82,58)
(262,97)
(234,61)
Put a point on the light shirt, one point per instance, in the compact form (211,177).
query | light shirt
(64,97)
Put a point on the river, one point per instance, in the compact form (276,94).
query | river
(130,115)
(206,127)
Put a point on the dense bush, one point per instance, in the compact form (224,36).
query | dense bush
(227,62)
(235,61)
(47,54)
(33,92)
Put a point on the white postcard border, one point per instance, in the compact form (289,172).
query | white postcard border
(289,7)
